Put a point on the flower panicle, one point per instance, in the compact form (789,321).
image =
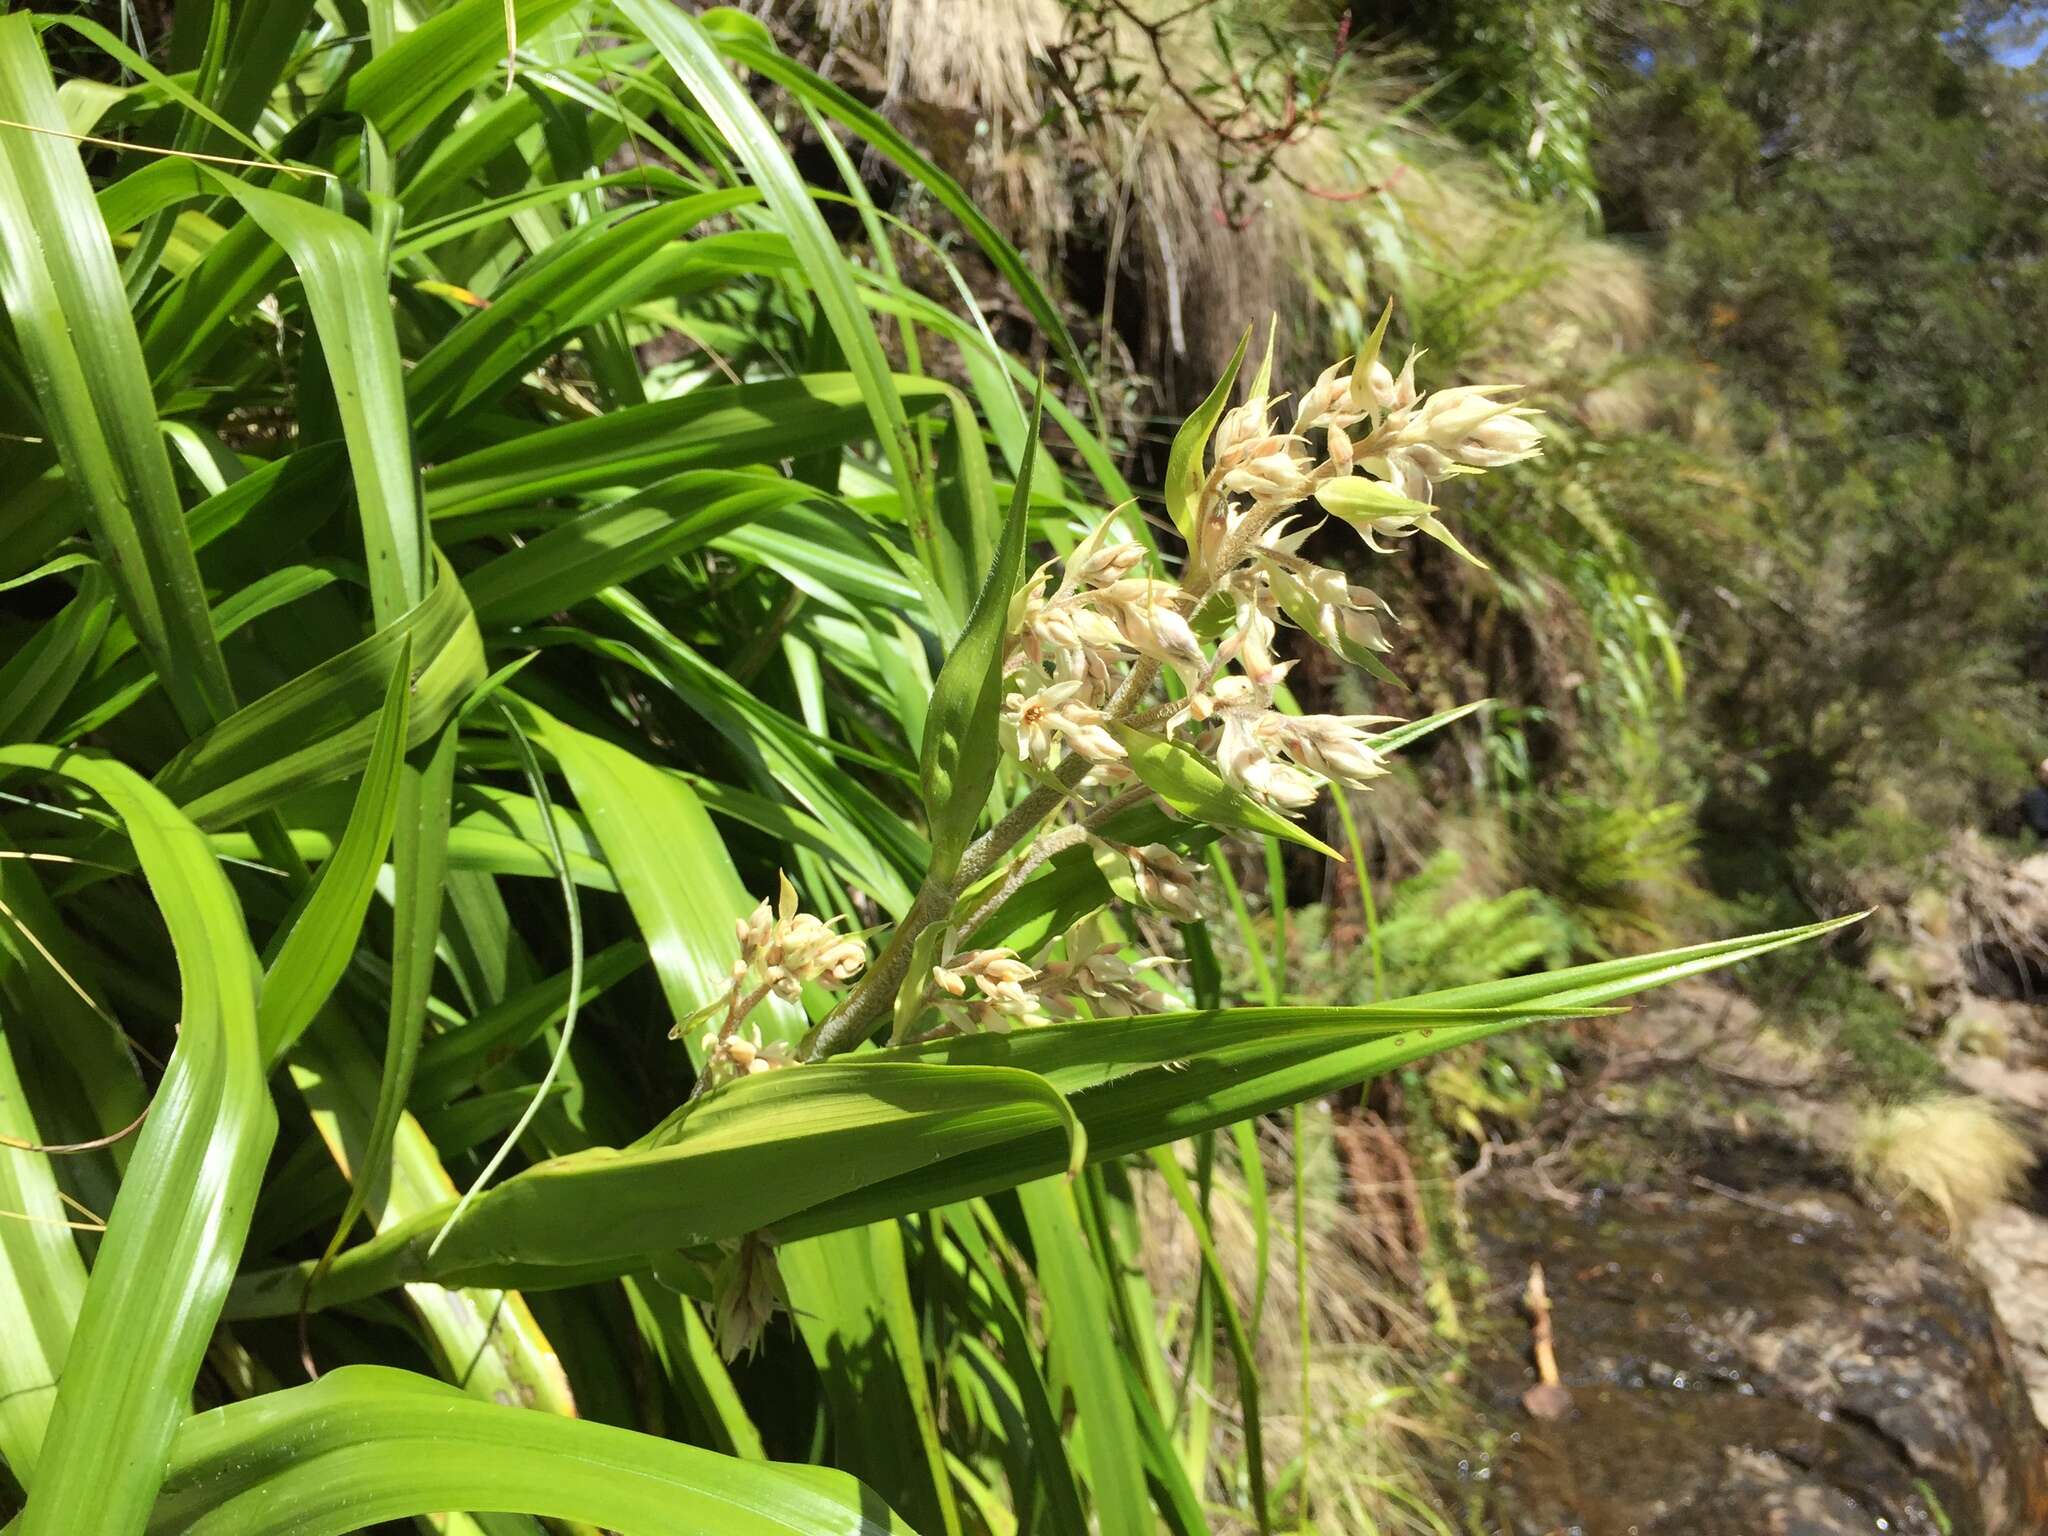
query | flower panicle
(1090,635)
(992,991)
(1366,444)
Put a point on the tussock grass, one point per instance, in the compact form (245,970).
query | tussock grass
(1413,212)
(1957,1152)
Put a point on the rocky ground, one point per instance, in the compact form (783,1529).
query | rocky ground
(1751,1341)
(1974,968)
(1750,1348)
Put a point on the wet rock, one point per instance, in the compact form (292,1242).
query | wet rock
(2008,1246)
(1755,1350)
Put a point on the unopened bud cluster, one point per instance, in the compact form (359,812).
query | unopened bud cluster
(993,990)
(1164,881)
(781,949)
(788,948)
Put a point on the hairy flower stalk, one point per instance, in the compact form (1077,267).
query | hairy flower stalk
(1089,637)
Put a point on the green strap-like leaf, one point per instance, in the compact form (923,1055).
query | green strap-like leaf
(321,725)
(1241,1349)
(1185,469)
(419,862)
(63,292)
(968,1128)
(670,863)
(732,1162)
(342,268)
(692,54)
(484,1339)
(743,38)
(455,1060)
(1393,739)
(689,1357)
(406,88)
(592,273)
(42,1278)
(317,947)
(1085,1356)
(722,426)
(176,1229)
(851,1298)
(39,676)
(130,677)
(365,1444)
(1048,1449)
(611,544)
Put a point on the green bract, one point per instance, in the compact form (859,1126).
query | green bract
(958,766)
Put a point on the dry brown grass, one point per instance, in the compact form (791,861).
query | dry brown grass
(968,74)
(1379,1414)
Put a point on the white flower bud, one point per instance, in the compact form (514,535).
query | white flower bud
(1166,882)
(1414,471)
(1240,431)
(842,962)
(1331,745)
(1088,737)
(1325,400)
(1276,477)
(1244,758)
(1337,447)
(1252,645)
(1278,785)
(1389,394)
(1505,439)
(753,930)
(746,1292)
(1112,564)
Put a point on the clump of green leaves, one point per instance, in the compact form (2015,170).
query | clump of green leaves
(444,603)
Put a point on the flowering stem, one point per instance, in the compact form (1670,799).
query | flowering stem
(1052,844)
(853,1020)
(855,1017)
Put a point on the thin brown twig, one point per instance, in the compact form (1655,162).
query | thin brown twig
(1266,141)
(62,1147)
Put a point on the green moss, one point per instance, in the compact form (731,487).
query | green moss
(1870,1032)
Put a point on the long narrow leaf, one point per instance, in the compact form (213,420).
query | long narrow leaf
(317,947)
(365,1444)
(70,311)
(177,1227)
